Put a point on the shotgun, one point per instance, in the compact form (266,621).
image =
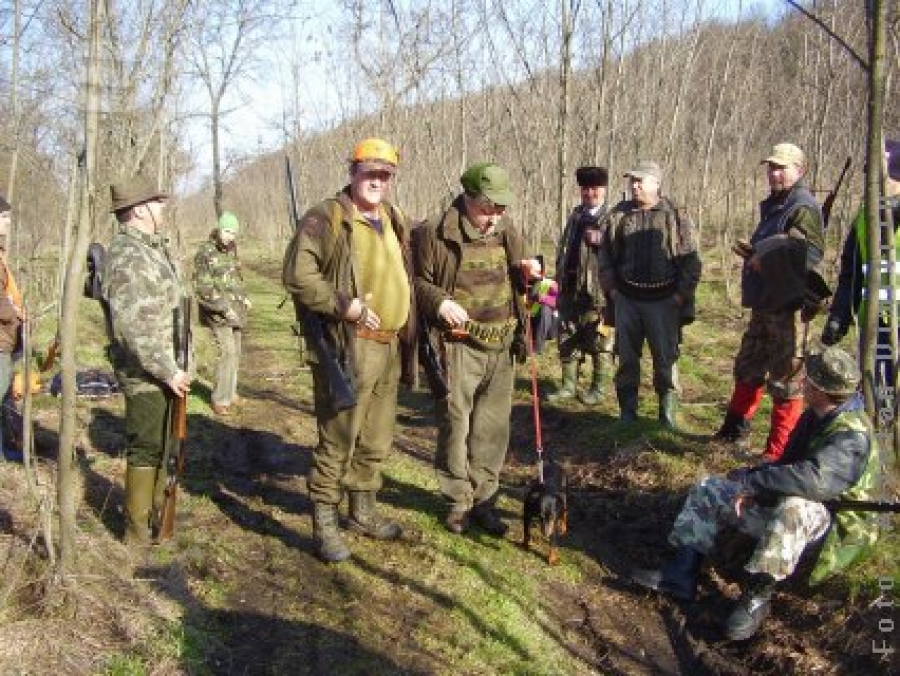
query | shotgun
(828,204)
(177,425)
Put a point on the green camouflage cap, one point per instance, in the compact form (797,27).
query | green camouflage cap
(228,222)
(833,371)
(489,180)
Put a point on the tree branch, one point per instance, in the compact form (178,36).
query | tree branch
(834,36)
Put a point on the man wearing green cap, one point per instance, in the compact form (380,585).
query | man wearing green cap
(469,281)
(831,454)
(223,302)
(143,289)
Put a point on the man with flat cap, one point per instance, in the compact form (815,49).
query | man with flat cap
(832,454)
(650,267)
(788,243)
(470,286)
(143,290)
(584,329)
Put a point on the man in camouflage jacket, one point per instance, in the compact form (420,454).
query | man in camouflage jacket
(223,302)
(142,288)
(831,454)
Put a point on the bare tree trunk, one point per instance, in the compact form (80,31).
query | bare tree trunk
(14,102)
(567,21)
(72,294)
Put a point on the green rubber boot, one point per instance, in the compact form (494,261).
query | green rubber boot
(566,390)
(139,487)
(591,396)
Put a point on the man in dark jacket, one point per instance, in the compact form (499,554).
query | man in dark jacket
(790,235)
(831,453)
(853,277)
(11,315)
(581,302)
(469,285)
(348,264)
(650,267)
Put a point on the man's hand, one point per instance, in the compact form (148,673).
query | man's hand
(741,503)
(833,332)
(180,384)
(361,314)
(452,313)
(531,268)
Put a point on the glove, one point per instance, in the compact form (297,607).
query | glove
(833,332)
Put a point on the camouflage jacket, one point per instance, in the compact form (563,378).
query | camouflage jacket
(218,285)
(142,287)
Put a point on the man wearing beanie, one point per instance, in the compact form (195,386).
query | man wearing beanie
(11,314)
(584,329)
(847,304)
(223,303)
(470,287)
(831,454)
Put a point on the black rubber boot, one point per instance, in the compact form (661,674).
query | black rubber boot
(485,516)
(734,429)
(668,409)
(365,520)
(753,607)
(677,578)
(628,403)
(567,388)
(330,546)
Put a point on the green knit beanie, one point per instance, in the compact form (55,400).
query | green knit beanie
(228,222)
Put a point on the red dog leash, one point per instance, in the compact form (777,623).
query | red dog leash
(535,401)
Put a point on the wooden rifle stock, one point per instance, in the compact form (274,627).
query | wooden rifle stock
(175,469)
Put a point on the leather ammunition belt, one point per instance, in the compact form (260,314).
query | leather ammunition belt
(490,336)
(651,286)
(377,335)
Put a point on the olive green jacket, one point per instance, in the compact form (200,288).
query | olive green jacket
(318,273)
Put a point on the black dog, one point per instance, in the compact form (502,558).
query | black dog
(548,502)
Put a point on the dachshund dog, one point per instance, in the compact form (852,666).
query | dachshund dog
(548,502)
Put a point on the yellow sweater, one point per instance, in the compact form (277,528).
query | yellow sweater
(381,271)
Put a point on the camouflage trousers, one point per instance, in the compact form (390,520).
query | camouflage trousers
(768,353)
(354,444)
(782,530)
(578,337)
(228,340)
(473,424)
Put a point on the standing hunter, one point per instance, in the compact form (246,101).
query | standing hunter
(223,303)
(470,288)
(142,287)
(581,303)
(650,268)
(788,242)
(348,265)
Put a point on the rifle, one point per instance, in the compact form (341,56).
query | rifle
(340,387)
(828,204)
(883,507)
(177,425)
(431,363)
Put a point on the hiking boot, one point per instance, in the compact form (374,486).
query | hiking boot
(567,388)
(486,517)
(457,521)
(752,608)
(365,520)
(734,429)
(330,546)
(676,578)
(668,407)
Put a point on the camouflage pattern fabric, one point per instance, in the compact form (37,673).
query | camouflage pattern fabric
(219,285)
(768,349)
(142,286)
(783,530)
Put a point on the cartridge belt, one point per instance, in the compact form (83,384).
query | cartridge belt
(378,335)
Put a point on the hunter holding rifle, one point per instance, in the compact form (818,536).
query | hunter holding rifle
(785,248)
(348,271)
(143,290)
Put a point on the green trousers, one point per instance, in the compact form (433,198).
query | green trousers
(228,340)
(473,424)
(146,428)
(354,444)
